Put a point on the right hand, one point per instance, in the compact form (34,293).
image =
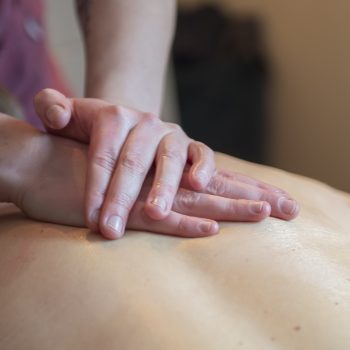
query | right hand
(113,187)
(123,145)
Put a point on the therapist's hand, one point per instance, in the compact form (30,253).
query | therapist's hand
(124,144)
(79,116)
(50,178)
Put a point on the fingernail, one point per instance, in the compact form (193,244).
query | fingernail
(53,114)
(95,216)
(287,206)
(160,202)
(205,226)
(116,224)
(257,207)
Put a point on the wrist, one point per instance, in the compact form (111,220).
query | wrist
(123,89)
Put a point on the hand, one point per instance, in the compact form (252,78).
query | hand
(53,191)
(237,186)
(124,144)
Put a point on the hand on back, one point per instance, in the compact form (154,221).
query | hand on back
(124,144)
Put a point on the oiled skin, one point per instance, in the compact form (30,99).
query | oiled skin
(268,285)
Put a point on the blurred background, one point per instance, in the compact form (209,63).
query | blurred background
(264,80)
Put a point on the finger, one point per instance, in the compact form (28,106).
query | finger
(67,117)
(135,160)
(110,130)
(53,108)
(219,208)
(203,165)
(250,181)
(174,224)
(281,206)
(170,161)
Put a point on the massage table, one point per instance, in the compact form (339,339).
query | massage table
(268,285)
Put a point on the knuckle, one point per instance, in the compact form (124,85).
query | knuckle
(133,162)
(173,155)
(204,149)
(199,144)
(216,186)
(123,119)
(112,113)
(106,160)
(210,152)
(122,200)
(150,120)
(96,193)
(164,188)
(183,224)
(187,199)
(174,127)
(232,207)
(207,150)
(110,110)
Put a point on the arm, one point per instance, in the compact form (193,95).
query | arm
(4,162)
(12,159)
(127,46)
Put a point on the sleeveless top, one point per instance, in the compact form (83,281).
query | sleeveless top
(26,66)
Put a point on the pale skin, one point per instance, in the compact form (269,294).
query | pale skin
(258,199)
(127,47)
(44,176)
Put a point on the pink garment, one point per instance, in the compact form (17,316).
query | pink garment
(25,64)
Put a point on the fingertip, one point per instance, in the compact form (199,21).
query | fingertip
(112,228)
(53,108)
(260,210)
(208,227)
(157,207)
(215,228)
(111,234)
(288,208)
(56,117)
(266,209)
(295,212)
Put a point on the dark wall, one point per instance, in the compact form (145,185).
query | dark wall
(221,79)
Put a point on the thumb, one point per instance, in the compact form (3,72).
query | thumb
(67,117)
(53,108)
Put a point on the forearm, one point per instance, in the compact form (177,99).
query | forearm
(6,163)
(127,47)
(15,137)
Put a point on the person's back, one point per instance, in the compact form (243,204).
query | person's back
(268,285)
